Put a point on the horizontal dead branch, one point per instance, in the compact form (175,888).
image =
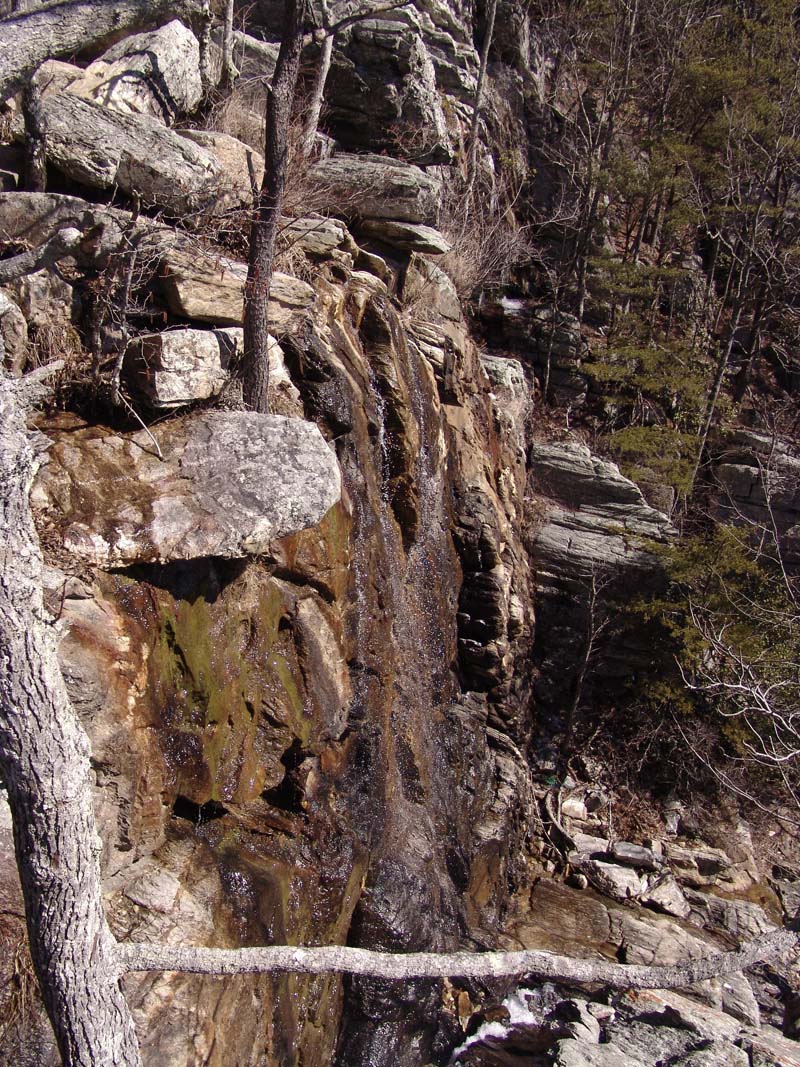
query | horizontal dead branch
(63,243)
(482,965)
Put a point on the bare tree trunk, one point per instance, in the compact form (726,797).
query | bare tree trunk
(205,20)
(474,133)
(229,71)
(723,359)
(62,29)
(44,762)
(311,123)
(595,625)
(264,229)
(35,149)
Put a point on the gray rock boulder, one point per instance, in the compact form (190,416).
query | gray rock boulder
(594,531)
(631,855)
(572,1053)
(34,217)
(376,187)
(45,298)
(101,148)
(382,89)
(571,473)
(606,523)
(209,288)
(54,76)
(407,236)
(619,883)
(228,484)
(697,867)
(177,367)
(155,74)
(232,157)
(664,894)
(425,285)
(317,237)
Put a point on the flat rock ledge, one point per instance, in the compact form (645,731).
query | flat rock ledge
(229,483)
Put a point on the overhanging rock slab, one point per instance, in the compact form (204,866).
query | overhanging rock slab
(229,483)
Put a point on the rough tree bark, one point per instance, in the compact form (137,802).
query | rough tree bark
(479,965)
(35,147)
(267,216)
(229,72)
(44,763)
(316,96)
(27,40)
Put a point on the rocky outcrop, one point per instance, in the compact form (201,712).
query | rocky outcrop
(155,73)
(406,236)
(210,288)
(548,341)
(326,665)
(383,86)
(177,367)
(376,187)
(606,524)
(266,710)
(757,480)
(102,148)
(592,533)
(633,1031)
(220,485)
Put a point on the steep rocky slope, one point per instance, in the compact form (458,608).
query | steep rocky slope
(326,661)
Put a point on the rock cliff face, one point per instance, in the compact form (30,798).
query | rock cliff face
(323,656)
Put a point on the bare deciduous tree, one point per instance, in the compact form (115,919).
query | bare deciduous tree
(267,215)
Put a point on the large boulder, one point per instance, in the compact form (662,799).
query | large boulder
(317,237)
(225,484)
(155,74)
(377,187)
(601,522)
(177,367)
(33,218)
(235,159)
(407,236)
(103,149)
(199,285)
